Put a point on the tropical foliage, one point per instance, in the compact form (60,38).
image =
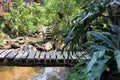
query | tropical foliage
(23,19)
(94,31)
(99,41)
(60,13)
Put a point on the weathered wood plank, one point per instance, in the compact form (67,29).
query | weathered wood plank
(59,58)
(42,56)
(5,53)
(73,56)
(20,53)
(53,56)
(1,51)
(25,54)
(59,55)
(31,55)
(12,54)
(65,55)
(37,55)
(47,58)
(78,54)
(47,55)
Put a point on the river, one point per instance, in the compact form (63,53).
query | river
(19,73)
(33,73)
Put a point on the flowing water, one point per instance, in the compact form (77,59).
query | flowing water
(19,73)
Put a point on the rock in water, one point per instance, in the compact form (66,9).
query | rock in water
(21,41)
(15,45)
(53,76)
(47,46)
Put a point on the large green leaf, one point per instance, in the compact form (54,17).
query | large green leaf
(96,55)
(117,58)
(98,69)
(114,38)
(105,39)
(97,65)
(115,28)
(70,34)
(96,46)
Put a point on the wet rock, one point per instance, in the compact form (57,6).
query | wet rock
(13,41)
(53,76)
(20,38)
(54,73)
(39,47)
(47,46)
(15,45)
(2,46)
(28,48)
(6,42)
(21,41)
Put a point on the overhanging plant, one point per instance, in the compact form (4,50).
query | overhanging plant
(104,48)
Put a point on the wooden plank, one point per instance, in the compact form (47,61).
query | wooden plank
(47,58)
(20,53)
(59,55)
(37,55)
(31,55)
(47,55)
(42,56)
(53,56)
(1,51)
(60,59)
(5,53)
(12,54)
(65,55)
(25,54)
(73,56)
(77,54)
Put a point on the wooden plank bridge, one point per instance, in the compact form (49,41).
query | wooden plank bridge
(32,58)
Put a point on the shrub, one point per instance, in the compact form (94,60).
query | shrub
(23,20)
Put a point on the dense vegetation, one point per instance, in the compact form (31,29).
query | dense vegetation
(95,32)
(90,26)
(23,19)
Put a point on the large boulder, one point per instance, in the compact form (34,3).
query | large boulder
(48,46)
(15,45)
(53,76)
(28,48)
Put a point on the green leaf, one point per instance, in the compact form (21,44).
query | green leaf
(117,58)
(70,34)
(114,28)
(96,46)
(99,66)
(98,69)
(96,55)
(100,36)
